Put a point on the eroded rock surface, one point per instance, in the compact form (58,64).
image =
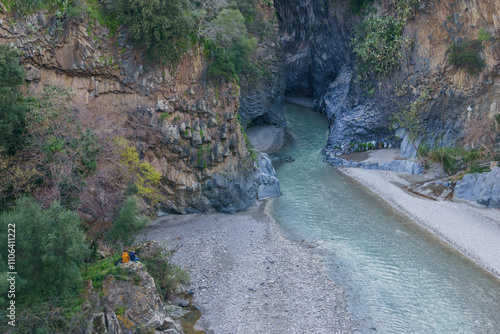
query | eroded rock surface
(482,188)
(185,128)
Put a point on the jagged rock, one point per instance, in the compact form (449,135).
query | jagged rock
(196,140)
(181,302)
(287,159)
(438,190)
(175,312)
(269,185)
(164,106)
(483,188)
(33,74)
(170,134)
(97,324)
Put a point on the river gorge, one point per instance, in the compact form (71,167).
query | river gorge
(177,128)
(398,277)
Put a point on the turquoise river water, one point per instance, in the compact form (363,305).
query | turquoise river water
(397,277)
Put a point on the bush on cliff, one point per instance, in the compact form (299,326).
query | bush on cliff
(229,46)
(467,56)
(378,46)
(12,104)
(163,28)
(355,6)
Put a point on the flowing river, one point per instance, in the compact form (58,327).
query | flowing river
(397,277)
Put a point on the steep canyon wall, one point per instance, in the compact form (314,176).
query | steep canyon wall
(186,128)
(319,63)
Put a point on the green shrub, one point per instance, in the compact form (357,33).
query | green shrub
(378,46)
(485,36)
(405,9)
(12,104)
(166,275)
(163,28)
(229,46)
(454,159)
(467,55)
(355,6)
(98,271)
(128,222)
(50,247)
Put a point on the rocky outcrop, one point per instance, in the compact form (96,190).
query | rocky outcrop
(180,124)
(482,188)
(315,38)
(132,304)
(269,185)
(397,166)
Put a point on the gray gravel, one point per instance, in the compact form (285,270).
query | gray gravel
(248,277)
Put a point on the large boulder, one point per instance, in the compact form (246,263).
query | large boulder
(482,188)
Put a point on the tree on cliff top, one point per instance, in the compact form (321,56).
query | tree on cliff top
(229,46)
(163,28)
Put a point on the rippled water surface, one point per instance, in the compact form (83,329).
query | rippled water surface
(398,278)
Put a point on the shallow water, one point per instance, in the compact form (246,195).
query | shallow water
(397,277)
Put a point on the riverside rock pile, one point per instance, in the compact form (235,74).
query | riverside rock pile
(482,188)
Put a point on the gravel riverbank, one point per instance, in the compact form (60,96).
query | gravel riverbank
(469,228)
(248,277)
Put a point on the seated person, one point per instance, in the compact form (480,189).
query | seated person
(132,256)
(125,257)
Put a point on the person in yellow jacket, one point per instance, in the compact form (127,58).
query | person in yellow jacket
(125,257)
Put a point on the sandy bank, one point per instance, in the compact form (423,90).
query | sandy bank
(248,278)
(472,230)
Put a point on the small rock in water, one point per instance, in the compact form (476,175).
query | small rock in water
(287,159)
(181,302)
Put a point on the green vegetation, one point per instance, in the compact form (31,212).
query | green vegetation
(356,6)
(486,36)
(12,104)
(466,55)
(50,247)
(379,42)
(250,149)
(229,46)
(405,9)
(166,275)
(163,28)
(144,176)
(128,222)
(98,271)
(378,46)
(455,159)
(409,117)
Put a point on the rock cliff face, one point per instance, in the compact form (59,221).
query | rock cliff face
(319,63)
(180,124)
(261,100)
